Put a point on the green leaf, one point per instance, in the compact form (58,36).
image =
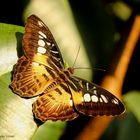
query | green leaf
(50,131)
(129,128)
(126,128)
(10,41)
(132,101)
(16,118)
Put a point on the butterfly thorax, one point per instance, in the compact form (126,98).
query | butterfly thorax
(66,73)
(62,76)
(69,71)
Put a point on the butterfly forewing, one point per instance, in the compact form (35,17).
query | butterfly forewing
(30,78)
(38,40)
(92,100)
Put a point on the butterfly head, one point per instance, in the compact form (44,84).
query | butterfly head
(71,70)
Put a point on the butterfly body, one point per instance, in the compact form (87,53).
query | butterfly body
(62,96)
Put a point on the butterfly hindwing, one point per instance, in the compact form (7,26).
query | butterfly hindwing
(92,100)
(55,105)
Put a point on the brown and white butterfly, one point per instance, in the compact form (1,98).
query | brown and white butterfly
(62,96)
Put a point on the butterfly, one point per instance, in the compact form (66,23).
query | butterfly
(40,71)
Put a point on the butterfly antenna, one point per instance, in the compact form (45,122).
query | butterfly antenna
(90,68)
(83,67)
(76,57)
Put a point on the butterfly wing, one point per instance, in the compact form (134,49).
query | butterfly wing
(38,40)
(55,105)
(41,63)
(92,100)
(30,78)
